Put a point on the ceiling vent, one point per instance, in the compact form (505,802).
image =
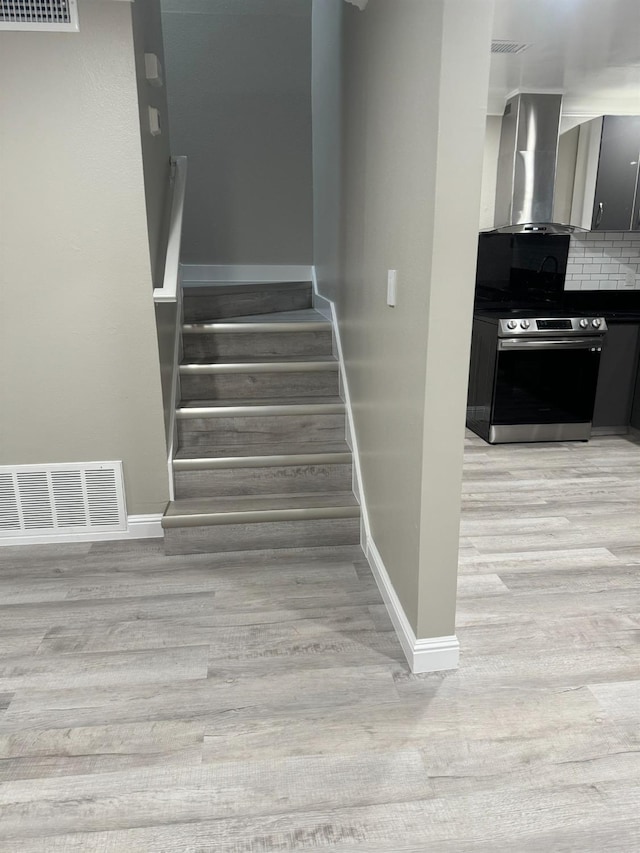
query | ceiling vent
(45,499)
(502,46)
(39,15)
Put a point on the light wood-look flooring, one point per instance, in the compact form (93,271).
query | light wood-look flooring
(249,703)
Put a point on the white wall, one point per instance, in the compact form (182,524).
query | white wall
(79,374)
(490,172)
(239,85)
(412,142)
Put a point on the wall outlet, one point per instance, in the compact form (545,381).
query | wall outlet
(630,279)
(392,285)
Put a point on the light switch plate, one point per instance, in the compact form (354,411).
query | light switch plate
(392,287)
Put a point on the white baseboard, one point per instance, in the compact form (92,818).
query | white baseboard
(138,527)
(430,654)
(193,275)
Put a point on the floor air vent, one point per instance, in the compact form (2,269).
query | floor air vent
(78,498)
(43,15)
(503,46)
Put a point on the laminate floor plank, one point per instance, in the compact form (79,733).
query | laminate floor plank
(97,669)
(200,699)
(260,702)
(40,753)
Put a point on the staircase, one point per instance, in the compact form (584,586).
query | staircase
(262,460)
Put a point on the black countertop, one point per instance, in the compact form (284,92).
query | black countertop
(618,306)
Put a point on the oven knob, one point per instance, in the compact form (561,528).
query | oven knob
(511,324)
(596,323)
(525,324)
(584,323)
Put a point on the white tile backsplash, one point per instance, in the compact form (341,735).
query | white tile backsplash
(604,261)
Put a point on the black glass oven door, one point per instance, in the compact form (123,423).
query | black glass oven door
(545,382)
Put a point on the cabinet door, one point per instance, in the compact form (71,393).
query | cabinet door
(617,174)
(617,376)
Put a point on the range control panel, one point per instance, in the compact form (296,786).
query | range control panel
(551,326)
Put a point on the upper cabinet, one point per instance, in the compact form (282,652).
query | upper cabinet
(606,192)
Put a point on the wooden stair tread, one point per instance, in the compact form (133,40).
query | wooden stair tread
(251,509)
(302,315)
(226,288)
(269,359)
(251,503)
(269,401)
(252,450)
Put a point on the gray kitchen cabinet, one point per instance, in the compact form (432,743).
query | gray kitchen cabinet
(617,376)
(606,193)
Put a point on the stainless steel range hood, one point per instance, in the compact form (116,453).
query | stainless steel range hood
(527,165)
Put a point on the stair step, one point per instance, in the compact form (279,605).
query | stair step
(185,455)
(315,377)
(216,463)
(253,421)
(264,364)
(191,409)
(232,300)
(291,333)
(301,316)
(246,474)
(251,509)
(250,523)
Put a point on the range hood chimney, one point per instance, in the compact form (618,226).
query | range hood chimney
(527,165)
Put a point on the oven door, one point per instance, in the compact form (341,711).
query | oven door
(546,381)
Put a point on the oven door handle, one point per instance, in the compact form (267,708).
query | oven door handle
(594,344)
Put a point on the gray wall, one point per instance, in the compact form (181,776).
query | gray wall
(413,121)
(79,373)
(239,85)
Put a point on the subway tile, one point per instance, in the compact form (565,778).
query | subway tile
(572,269)
(610,267)
(630,235)
(613,252)
(572,285)
(595,269)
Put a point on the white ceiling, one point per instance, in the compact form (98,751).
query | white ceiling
(587,49)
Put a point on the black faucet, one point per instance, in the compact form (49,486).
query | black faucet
(549,258)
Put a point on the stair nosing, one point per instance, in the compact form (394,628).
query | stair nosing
(195,369)
(260,410)
(248,328)
(284,460)
(210,519)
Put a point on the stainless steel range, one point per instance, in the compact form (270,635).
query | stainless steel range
(533,377)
